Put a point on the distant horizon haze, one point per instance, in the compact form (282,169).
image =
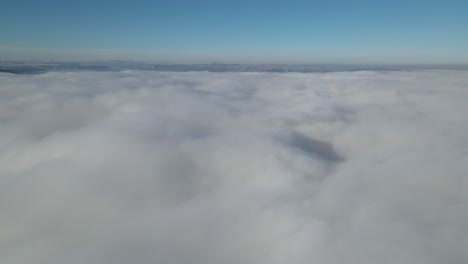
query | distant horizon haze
(183,57)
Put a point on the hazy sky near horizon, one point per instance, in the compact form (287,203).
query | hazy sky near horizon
(181,31)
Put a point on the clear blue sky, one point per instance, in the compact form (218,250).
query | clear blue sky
(182,31)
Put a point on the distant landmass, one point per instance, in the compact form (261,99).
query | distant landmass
(7,71)
(27,67)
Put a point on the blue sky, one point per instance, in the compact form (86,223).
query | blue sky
(181,31)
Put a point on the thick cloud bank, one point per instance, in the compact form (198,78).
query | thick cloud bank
(209,168)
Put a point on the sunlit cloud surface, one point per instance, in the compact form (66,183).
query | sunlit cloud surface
(208,168)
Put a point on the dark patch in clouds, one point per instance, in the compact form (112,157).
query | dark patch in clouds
(199,167)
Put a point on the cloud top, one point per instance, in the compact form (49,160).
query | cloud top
(198,167)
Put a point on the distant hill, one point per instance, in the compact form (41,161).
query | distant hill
(25,70)
(7,71)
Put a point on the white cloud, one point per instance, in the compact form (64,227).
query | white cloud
(157,167)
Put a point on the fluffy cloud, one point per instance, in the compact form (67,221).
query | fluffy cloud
(158,167)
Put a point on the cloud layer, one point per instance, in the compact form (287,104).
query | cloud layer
(200,168)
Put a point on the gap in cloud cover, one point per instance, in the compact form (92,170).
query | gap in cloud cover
(200,167)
